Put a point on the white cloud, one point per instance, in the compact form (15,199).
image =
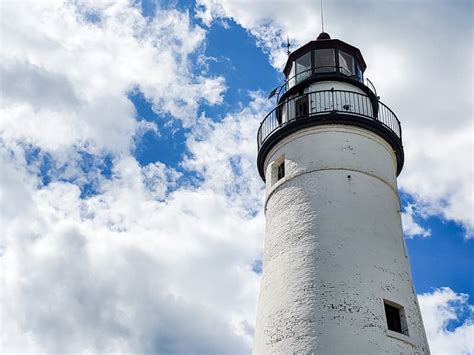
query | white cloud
(418,56)
(410,227)
(224,153)
(159,179)
(65,80)
(439,309)
(129,271)
(144,265)
(268,21)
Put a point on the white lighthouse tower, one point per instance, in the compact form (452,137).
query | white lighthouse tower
(336,275)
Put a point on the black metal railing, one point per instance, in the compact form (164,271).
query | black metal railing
(370,85)
(323,102)
(317,71)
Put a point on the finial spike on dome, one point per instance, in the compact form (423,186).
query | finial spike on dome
(322,17)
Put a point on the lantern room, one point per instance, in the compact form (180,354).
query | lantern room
(325,84)
(325,59)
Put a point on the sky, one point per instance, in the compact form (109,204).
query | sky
(131,208)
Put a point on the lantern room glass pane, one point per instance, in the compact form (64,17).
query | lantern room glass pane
(346,63)
(303,67)
(360,76)
(291,77)
(324,60)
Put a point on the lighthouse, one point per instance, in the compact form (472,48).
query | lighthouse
(336,276)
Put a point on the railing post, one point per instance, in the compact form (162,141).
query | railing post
(332,101)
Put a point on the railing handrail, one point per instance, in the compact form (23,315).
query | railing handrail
(371,86)
(284,87)
(342,101)
(285,84)
(310,70)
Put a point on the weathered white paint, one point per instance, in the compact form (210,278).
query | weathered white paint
(334,248)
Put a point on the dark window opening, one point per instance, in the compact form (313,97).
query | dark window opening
(396,320)
(281,171)
(301,106)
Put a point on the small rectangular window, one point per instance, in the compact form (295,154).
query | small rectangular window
(277,169)
(324,60)
(396,319)
(281,171)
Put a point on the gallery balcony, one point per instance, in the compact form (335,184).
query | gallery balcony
(329,107)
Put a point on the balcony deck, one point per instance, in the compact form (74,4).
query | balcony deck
(329,107)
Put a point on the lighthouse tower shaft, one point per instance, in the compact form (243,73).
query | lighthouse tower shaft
(336,275)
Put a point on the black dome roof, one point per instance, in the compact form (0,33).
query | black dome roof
(323,35)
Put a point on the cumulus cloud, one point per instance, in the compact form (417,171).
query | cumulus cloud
(410,227)
(224,153)
(421,65)
(123,272)
(128,270)
(65,77)
(145,263)
(440,309)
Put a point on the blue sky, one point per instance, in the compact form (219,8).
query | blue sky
(128,140)
(229,48)
(435,260)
